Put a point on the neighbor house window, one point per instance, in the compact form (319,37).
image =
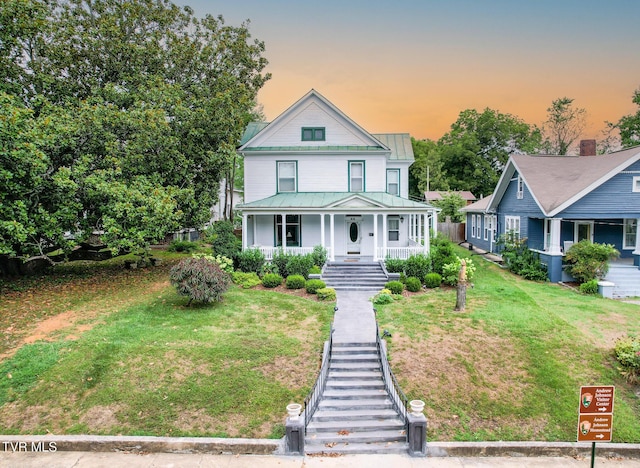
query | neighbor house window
(487,226)
(636,183)
(394,229)
(313,134)
(479,226)
(512,227)
(520,194)
(356,176)
(473,225)
(292,230)
(287,176)
(630,233)
(393,182)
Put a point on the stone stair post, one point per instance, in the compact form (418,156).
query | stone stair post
(417,435)
(294,435)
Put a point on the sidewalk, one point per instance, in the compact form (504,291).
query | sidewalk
(354,321)
(167,460)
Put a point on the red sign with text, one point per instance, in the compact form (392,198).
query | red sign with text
(595,414)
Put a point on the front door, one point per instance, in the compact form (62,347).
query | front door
(354,234)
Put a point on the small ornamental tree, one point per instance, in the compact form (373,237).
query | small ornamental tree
(200,280)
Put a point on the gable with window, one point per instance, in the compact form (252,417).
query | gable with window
(287,176)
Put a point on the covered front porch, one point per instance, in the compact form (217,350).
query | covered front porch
(348,226)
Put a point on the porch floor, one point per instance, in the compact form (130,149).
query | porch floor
(352,258)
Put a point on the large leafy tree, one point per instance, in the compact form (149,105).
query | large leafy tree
(476,149)
(564,125)
(629,125)
(426,171)
(148,101)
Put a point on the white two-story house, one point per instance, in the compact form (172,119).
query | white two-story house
(315,177)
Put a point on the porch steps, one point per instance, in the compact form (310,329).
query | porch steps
(355,413)
(626,279)
(356,276)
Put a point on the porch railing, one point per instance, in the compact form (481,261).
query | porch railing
(398,398)
(312,400)
(400,252)
(269,252)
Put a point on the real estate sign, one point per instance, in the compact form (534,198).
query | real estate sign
(595,414)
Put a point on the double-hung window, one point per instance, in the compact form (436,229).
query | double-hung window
(393,182)
(473,225)
(630,233)
(292,230)
(356,176)
(287,176)
(512,227)
(520,194)
(487,226)
(393,226)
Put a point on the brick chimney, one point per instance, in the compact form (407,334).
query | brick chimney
(587,147)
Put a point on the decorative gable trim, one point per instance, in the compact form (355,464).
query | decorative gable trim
(356,201)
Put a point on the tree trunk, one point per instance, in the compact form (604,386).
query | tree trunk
(461,289)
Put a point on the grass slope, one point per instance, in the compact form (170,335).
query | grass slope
(511,366)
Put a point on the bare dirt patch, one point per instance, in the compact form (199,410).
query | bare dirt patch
(101,418)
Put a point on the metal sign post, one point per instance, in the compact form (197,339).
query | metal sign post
(595,416)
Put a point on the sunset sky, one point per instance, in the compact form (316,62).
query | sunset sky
(414,65)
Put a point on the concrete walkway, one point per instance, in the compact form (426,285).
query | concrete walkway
(354,321)
(174,460)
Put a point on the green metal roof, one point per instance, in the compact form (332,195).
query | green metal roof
(398,143)
(252,130)
(316,200)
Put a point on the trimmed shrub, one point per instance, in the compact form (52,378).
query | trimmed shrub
(225,264)
(250,260)
(417,265)
(326,294)
(441,254)
(245,280)
(319,256)
(295,282)
(300,265)
(183,246)
(280,259)
(413,284)
(433,280)
(199,279)
(382,298)
(269,268)
(590,287)
(587,260)
(394,265)
(627,351)
(222,239)
(396,287)
(271,280)
(313,285)
(315,270)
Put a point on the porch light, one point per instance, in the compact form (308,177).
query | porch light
(402,219)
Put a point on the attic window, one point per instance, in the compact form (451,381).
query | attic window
(520,194)
(313,133)
(636,184)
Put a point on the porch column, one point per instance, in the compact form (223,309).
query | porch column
(284,232)
(636,252)
(322,230)
(434,222)
(554,241)
(254,222)
(375,237)
(411,226)
(384,235)
(426,234)
(419,240)
(332,235)
(245,228)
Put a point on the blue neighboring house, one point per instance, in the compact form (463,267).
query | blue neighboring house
(555,201)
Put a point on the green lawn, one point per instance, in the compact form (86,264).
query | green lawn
(102,350)
(510,367)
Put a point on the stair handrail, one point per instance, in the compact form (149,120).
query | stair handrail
(313,398)
(398,398)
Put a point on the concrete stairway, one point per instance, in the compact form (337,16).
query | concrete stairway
(364,276)
(626,279)
(355,413)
